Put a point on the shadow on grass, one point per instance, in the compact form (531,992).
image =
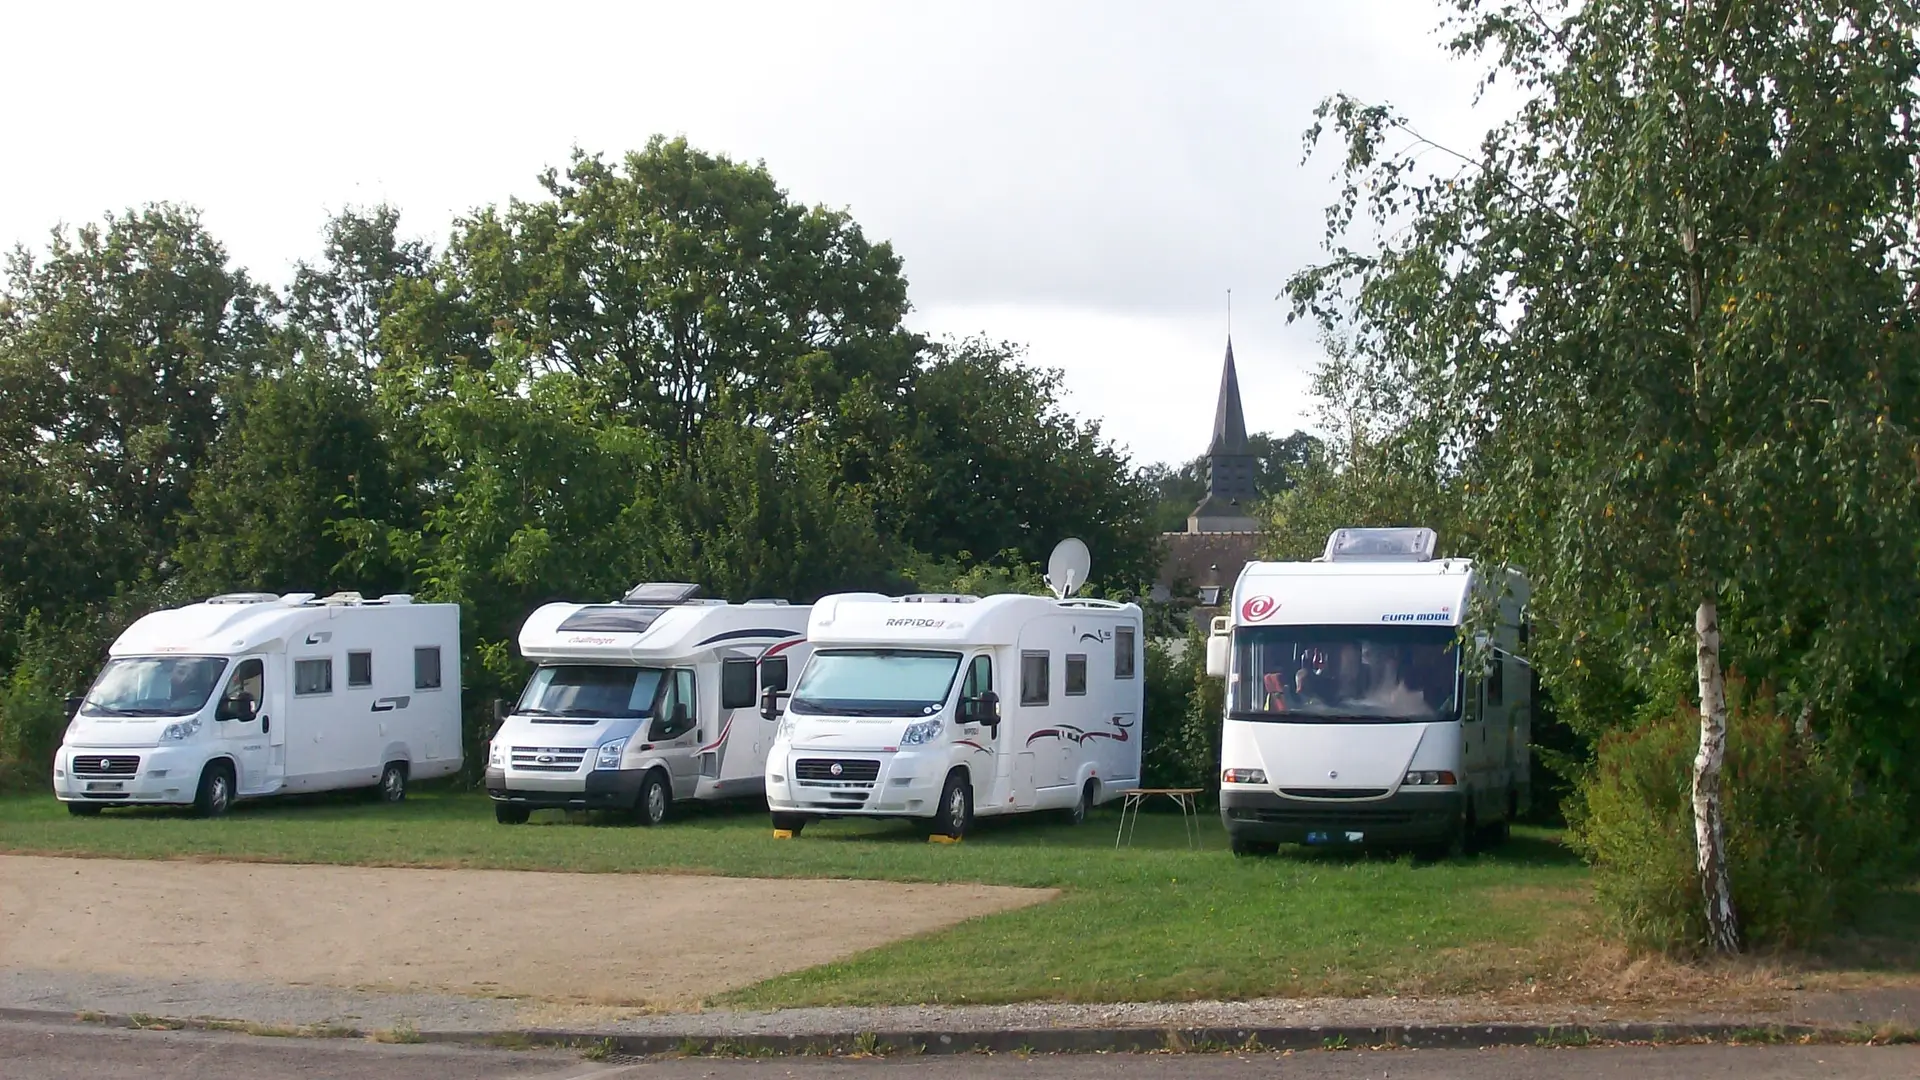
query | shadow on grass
(1884,937)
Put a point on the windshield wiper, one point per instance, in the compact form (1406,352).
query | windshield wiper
(109,709)
(531,711)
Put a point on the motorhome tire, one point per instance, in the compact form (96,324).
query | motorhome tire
(956,806)
(1247,848)
(650,808)
(1089,792)
(81,809)
(215,796)
(507,814)
(393,782)
(791,823)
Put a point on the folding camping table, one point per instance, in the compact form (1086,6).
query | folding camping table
(1182,797)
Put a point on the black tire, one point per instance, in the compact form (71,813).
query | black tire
(792,823)
(1077,815)
(509,814)
(1458,842)
(215,796)
(83,809)
(393,782)
(651,805)
(955,815)
(1250,848)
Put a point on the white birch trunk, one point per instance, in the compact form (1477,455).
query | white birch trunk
(1709,831)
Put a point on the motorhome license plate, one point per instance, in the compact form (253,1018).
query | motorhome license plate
(1335,838)
(107,785)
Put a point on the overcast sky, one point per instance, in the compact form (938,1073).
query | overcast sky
(1086,178)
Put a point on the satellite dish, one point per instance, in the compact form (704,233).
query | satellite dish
(1067,567)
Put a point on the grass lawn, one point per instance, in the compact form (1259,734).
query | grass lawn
(1153,921)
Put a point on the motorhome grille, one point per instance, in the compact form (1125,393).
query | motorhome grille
(1346,817)
(100,765)
(1334,793)
(851,770)
(547,759)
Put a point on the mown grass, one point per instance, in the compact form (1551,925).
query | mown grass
(1152,921)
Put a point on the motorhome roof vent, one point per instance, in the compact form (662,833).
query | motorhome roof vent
(766,603)
(344,598)
(939,598)
(660,593)
(396,599)
(244,598)
(1380,545)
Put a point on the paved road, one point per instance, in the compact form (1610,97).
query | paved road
(59,1052)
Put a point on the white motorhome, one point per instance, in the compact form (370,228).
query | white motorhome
(944,708)
(1350,716)
(641,702)
(253,694)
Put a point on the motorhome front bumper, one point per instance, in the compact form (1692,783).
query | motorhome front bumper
(598,789)
(1404,817)
(870,785)
(127,775)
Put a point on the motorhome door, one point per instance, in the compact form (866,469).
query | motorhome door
(675,730)
(245,723)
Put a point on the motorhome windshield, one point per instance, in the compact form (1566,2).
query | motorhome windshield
(154,686)
(1317,674)
(584,693)
(875,682)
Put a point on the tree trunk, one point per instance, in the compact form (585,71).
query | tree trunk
(1709,832)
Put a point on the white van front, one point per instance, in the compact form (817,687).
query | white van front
(876,731)
(1342,733)
(587,736)
(145,731)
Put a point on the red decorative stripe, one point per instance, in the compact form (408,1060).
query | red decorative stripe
(782,647)
(975,745)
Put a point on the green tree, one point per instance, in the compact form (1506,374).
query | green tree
(120,348)
(979,456)
(1659,329)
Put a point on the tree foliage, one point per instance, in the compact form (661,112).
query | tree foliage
(1657,332)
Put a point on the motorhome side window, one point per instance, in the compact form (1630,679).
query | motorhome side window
(676,696)
(1036,678)
(426,668)
(359,669)
(736,684)
(773,673)
(1123,652)
(313,676)
(979,677)
(249,681)
(1076,675)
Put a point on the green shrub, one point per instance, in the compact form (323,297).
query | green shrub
(1804,843)
(1181,745)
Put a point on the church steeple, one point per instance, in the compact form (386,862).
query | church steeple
(1231,491)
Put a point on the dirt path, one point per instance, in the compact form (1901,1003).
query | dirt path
(594,938)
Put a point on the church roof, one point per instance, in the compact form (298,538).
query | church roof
(1229,419)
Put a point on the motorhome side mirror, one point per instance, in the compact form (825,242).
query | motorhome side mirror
(1219,649)
(681,717)
(984,709)
(73,706)
(770,703)
(499,710)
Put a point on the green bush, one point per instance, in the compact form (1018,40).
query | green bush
(1181,745)
(1804,842)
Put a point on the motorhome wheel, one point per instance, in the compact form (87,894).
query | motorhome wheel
(507,814)
(215,796)
(654,799)
(80,809)
(393,782)
(956,806)
(1245,848)
(1078,815)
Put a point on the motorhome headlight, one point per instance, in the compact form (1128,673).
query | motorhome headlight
(785,730)
(921,733)
(180,731)
(495,756)
(1430,778)
(1244,776)
(609,756)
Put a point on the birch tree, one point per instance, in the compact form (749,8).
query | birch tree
(1659,329)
